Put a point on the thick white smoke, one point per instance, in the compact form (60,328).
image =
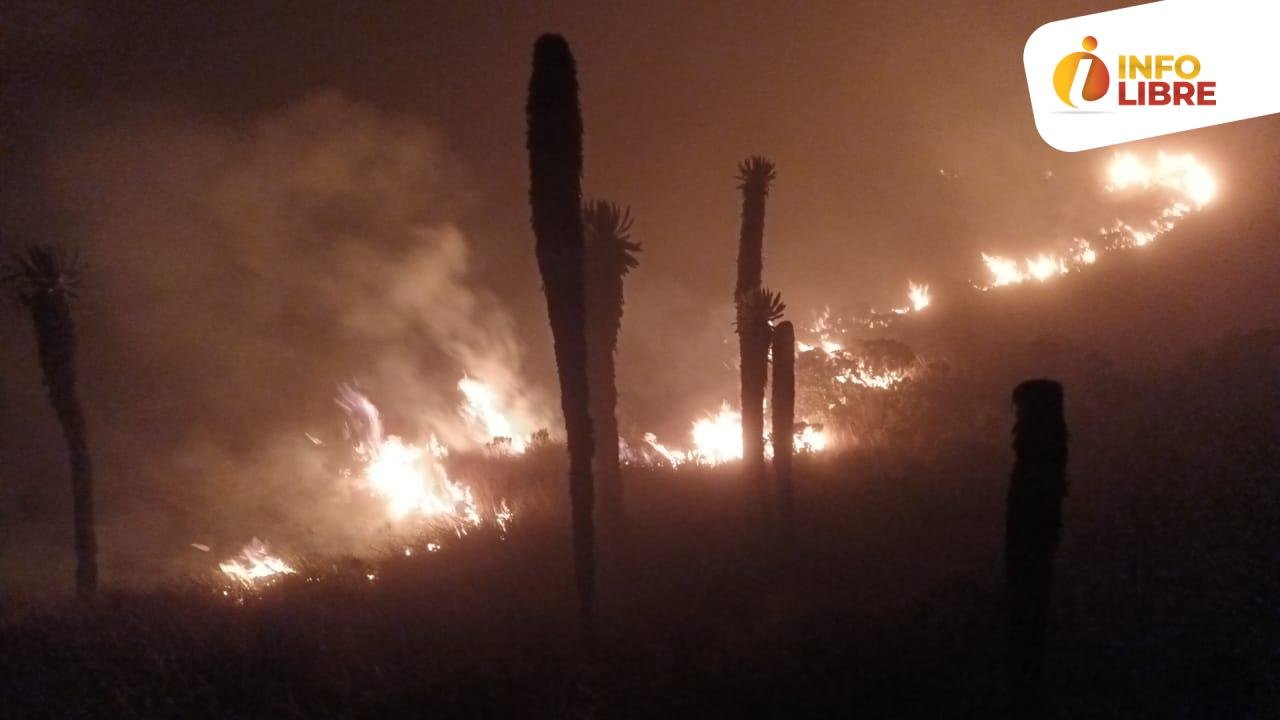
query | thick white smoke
(237,273)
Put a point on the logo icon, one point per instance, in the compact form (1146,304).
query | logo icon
(1151,70)
(1096,80)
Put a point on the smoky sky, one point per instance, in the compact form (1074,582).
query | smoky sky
(273,198)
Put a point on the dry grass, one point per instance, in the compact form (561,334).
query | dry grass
(889,605)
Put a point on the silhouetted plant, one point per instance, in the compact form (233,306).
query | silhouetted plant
(784,421)
(754,176)
(610,256)
(539,441)
(554,143)
(1032,528)
(45,279)
(757,310)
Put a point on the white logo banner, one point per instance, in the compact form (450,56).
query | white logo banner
(1152,70)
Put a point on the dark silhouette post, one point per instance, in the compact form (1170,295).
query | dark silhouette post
(555,195)
(757,310)
(754,176)
(610,256)
(1032,528)
(45,280)
(784,421)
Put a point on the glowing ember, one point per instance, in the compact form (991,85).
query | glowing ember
(254,563)
(482,407)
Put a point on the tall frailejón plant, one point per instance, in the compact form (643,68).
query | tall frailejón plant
(555,193)
(784,421)
(1032,527)
(45,280)
(754,177)
(610,256)
(755,174)
(757,310)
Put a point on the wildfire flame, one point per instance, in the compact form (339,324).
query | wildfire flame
(717,439)
(254,563)
(1182,175)
(483,407)
(865,376)
(411,478)
(811,439)
(674,457)
(860,373)
(919,295)
(1004,270)
(1084,252)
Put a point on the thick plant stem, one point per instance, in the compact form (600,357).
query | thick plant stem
(46,278)
(610,255)
(1032,528)
(784,421)
(554,143)
(754,175)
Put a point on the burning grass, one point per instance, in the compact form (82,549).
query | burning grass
(888,606)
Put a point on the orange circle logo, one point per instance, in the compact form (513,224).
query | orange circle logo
(1096,82)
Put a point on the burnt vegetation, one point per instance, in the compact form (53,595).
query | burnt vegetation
(892,604)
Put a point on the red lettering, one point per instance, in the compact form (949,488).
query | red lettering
(1158,93)
(1125,100)
(1204,93)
